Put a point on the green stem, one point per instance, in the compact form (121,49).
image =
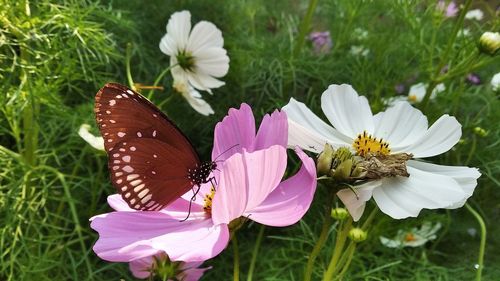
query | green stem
(128,57)
(349,255)
(327,223)
(236,267)
(446,53)
(304,27)
(472,150)
(158,79)
(337,251)
(255,252)
(482,245)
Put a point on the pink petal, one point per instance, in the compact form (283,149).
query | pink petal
(141,268)
(191,272)
(272,131)
(116,202)
(288,203)
(126,236)
(246,180)
(235,132)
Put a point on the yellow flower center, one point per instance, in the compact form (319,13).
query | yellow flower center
(412,98)
(207,205)
(366,144)
(409,237)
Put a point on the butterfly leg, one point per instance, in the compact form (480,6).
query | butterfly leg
(193,198)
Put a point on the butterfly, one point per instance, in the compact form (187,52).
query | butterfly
(151,162)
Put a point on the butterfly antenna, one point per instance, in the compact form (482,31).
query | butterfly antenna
(225,152)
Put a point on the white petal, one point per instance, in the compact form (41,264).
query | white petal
(308,131)
(168,45)
(440,137)
(349,113)
(403,197)
(417,92)
(204,35)
(194,99)
(212,61)
(94,141)
(178,28)
(355,200)
(466,177)
(400,125)
(203,82)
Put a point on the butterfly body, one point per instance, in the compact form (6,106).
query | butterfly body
(151,162)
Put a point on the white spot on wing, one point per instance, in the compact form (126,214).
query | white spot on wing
(121,134)
(154,133)
(130,92)
(132,176)
(127,169)
(124,188)
(143,193)
(118,174)
(139,134)
(132,148)
(146,199)
(126,158)
(139,187)
(112,121)
(112,102)
(119,181)
(136,182)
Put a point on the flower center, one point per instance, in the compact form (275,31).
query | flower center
(412,98)
(365,144)
(185,60)
(410,237)
(207,205)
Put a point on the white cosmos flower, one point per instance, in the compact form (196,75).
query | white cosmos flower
(95,141)
(405,130)
(198,52)
(417,92)
(193,97)
(495,82)
(475,14)
(414,237)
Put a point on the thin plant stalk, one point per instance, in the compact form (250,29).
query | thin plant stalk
(342,233)
(158,79)
(325,229)
(482,244)
(128,57)
(451,41)
(255,252)
(304,27)
(236,264)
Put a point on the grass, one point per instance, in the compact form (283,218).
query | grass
(55,55)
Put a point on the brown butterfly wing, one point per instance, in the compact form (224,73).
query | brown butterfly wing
(158,153)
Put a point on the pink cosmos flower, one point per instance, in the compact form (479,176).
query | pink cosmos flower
(186,271)
(322,41)
(249,185)
(449,10)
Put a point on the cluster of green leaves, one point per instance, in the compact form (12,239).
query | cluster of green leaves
(54,55)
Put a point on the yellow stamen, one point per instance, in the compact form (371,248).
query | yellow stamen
(409,237)
(412,98)
(366,144)
(207,205)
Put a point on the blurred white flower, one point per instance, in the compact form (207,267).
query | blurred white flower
(400,129)
(359,51)
(417,92)
(95,141)
(415,237)
(198,53)
(495,82)
(360,33)
(464,32)
(475,14)
(193,97)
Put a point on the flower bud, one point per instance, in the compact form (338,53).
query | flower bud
(324,162)
(357,235)
(339,213)
(480,132)
(489,42)
(343,171)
